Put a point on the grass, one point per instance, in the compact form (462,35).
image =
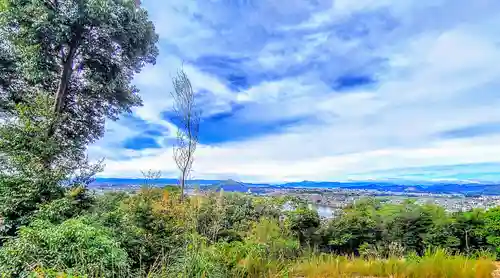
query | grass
(438,264)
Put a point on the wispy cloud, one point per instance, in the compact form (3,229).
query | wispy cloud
(317,90)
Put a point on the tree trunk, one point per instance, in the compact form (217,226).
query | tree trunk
(183,180)
(64,82)
(467,241)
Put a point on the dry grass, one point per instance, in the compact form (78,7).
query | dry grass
(436,265)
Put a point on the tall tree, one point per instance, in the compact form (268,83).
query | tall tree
(83,53)
(66,66)
(188,115)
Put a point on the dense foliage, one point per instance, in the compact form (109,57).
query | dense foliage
(152,234)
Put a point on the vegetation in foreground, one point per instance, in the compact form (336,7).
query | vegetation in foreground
(153,234)
(65,67)
(432,264)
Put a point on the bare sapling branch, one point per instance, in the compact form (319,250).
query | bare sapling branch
(188,121)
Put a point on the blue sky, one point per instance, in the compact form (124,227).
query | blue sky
(321,90)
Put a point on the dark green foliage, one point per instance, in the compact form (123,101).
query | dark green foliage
(372,228)
(19,202)
(442,232)
(357,225)
(410,228)
(492,228)
(303,223)
(104,43)
(469,228)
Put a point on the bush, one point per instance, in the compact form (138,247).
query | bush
(20,198)
(76,245)
(76,202)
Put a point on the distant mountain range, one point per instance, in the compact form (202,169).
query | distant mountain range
(442,186)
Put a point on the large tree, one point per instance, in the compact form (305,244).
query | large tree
(66,66)
(83,53)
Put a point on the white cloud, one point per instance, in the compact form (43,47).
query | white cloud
(440,75)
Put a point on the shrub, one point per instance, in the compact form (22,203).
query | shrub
(76,245)
(76,202)
(21,197)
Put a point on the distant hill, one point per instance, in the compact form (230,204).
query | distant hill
(120,181)
(233,186)
(449,187)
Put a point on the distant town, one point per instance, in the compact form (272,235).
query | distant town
(330,200)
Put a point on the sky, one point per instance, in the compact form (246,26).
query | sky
(336,90)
